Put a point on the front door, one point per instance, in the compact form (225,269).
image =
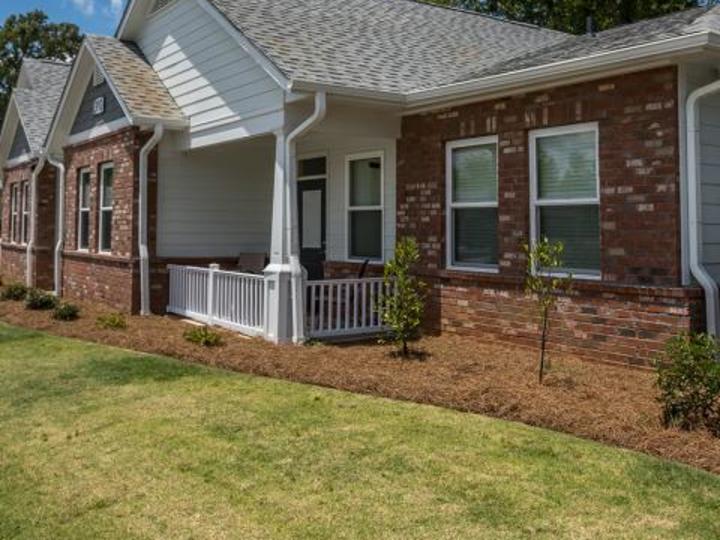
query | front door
(311,211)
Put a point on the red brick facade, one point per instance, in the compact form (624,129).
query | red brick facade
(12,262)
(109,278)
(640,302)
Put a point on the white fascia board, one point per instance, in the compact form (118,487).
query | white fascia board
(299,85)
(122,25)
(256,54)
(567,68)
(149,121)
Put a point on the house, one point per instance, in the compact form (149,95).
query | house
(252,163)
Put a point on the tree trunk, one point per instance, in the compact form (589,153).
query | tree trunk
(543,341)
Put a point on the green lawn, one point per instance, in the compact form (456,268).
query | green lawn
(98,442)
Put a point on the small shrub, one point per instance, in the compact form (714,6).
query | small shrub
(403,310)
(66,312)
(40,300)
(112,321)
(203,336)
(689,382)
(15,292)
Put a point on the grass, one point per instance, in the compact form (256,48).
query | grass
(98,442)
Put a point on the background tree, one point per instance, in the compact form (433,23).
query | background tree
(571,15)
(403,310)
(31,35)
(543,259)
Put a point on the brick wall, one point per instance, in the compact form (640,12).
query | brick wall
(12,261)
(639,302)
(108,278)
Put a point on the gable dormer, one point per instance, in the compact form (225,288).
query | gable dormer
(20,146)
(99,105)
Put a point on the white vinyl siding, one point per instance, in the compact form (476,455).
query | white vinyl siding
(215,202)
(472,204)
(565,194)
(710,183)
(219,87)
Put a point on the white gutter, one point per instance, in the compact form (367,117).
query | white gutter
(143,219)
(709,285)
(60,244)
(293,236)
(33,221)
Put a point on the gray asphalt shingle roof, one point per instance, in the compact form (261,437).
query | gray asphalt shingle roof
(37,104)
(383,45)
(401,46)
(138,85)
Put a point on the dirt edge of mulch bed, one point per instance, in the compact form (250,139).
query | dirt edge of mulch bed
(606,403)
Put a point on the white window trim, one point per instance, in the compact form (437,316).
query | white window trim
(357,157)
(536,203)
(102,209)
(306,157)
(14,191)
(450,205)
(82,209)
(24,212)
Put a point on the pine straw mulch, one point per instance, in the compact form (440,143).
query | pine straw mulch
(610,404)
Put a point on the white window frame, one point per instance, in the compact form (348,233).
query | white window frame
(536,203)
(349,158)
(83,209)
(450,205)
(14,207)
(24,212)
(102,209)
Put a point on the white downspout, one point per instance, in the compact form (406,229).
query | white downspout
(60,244)
(33,221)
(706,281)
(293,236)
(143,219)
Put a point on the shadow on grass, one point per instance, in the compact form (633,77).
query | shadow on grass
(12,335)
(126,370)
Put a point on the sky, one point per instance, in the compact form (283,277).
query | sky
(92,16)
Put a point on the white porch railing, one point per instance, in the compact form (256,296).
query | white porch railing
(344,307)
(229,299)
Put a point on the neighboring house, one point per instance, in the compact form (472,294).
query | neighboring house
(316,133)
(27,122)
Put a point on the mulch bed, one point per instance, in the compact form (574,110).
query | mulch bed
(611,404)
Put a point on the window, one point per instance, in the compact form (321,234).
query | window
(25,222)
(565,203)
(83,237)
(106,206)
(14,207)
(472,200)
(365,207)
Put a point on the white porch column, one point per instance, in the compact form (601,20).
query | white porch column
(278,300)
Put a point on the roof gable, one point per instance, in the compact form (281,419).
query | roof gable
(88,116)
(20,145)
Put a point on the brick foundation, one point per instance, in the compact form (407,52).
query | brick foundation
(640,302)
(12,261)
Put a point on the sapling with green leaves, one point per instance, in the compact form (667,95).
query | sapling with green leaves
(544,281)
(403,306)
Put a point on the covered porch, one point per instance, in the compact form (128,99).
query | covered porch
(249,232)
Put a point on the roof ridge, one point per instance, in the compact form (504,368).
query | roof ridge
(702,11)
(490,16)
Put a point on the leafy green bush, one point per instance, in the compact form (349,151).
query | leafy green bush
(689,382)
(66,312)
(40,300)
(203,336)
(112,321)
(403,309)
(15,292)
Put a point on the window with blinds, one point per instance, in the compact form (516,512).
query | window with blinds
(365,207)
(566,204)
(472,182)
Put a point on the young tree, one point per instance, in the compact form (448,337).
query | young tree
(543,259)
(403,306)
(31,35)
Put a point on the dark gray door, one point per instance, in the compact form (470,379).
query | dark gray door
(311,202)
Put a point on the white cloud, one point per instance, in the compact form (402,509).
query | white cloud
(115,7)
(86,7)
